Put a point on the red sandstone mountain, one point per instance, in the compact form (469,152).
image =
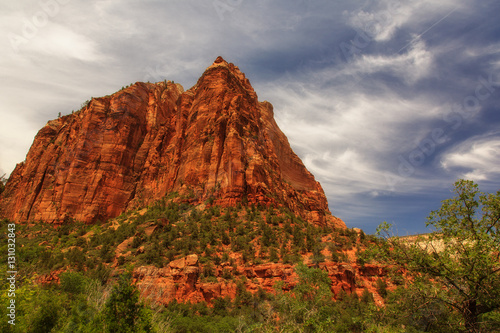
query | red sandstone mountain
(214,141)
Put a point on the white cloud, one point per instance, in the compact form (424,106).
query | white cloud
(491,49)
(382,22)
(479,156)
(380,25)
(350,139)
(34,29)
(58,41)
(411,66)
(15,135)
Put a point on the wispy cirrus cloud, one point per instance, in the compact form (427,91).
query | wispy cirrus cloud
(411,66)
(477,158)
(57,41)
(382,19)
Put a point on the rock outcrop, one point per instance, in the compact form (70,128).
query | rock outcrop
(180,280)
(214,142)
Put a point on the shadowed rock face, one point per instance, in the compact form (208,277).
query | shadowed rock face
(214,141)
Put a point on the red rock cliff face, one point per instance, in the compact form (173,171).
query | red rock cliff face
(215,140)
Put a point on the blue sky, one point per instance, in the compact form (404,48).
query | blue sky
(386,102)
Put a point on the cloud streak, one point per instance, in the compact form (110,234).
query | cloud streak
(477,158)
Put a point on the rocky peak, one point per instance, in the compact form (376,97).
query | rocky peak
(213,143)
(223,75)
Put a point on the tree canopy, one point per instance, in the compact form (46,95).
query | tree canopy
(459,258)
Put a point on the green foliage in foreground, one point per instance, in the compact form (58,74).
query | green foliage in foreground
(310,309)
(461,257)
(78,304)
(81,304)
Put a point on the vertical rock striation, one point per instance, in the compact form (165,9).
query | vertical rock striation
(214,141)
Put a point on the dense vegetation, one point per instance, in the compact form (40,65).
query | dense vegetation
(169,230)
(93,297)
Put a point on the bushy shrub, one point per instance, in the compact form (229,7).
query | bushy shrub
(72,282)
(381,286)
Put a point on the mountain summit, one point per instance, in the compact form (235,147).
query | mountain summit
(212,144)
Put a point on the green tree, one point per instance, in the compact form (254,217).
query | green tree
(48,311)
(123,312)
(461,255)
(308,307)
(317,256)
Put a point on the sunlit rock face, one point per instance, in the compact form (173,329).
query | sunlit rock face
(213,142)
